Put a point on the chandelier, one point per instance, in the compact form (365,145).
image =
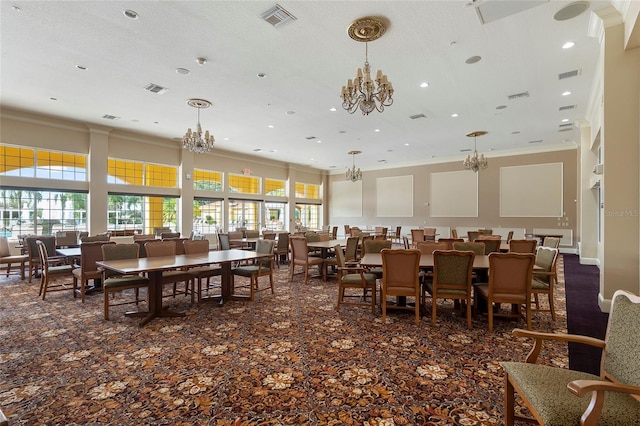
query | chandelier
(196,141)
(362,92)
(354,174)
(475,162)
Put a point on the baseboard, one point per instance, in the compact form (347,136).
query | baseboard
(590,261)
(568,251)
(605,304)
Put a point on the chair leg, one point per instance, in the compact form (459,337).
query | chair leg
(384,308)
(509,402)
(106,305)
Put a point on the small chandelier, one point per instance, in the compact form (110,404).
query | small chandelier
(475,162)
(362,92)
(196,141)
(354,174)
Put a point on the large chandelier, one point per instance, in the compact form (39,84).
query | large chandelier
(362,92)
(196,141)
(354,174)
(475,162)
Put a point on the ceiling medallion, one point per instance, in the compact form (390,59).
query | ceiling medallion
(475,162)
(363,92)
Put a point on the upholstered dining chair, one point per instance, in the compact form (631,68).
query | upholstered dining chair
(33,254)
(53,270)
(223,242)
(234,238)
(449,242)
(544,277)
(454,233)
(261,267)
(66,239)
(113,282)
(401,277)
(509,282)
(165,235)
(476,247)
(169,248)
(472,235)
(281,250)
(334,233)
(94,238)
(376,246)
(300,257)
(6,258)
(347,231)
(202,272)
(417,235)
(451,280)
(269,236)
(509,236)
(363,240)
(429,234)
(552,242)
(351,250)
(137,237)
(90,253)
(405,242)
(523,246)
(558,396)
(428,247)
(491,243)
(352,277)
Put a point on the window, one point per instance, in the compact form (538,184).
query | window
(140,213)
(276,217)
(207,215)
(275,187)
(207,180)
(244,214)
(307,216)
(41,163)
(125,172)
(307,190)
(41,212)
(244,184)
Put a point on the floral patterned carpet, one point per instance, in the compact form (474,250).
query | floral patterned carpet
(283,359)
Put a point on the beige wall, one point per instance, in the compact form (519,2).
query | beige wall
(488,196)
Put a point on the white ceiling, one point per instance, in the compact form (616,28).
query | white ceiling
(306,62)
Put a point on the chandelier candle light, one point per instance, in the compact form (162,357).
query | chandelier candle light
(475,162)
(362,92)
(354,174)
(196,141)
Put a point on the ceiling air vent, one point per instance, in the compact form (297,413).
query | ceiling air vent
(566,107)
(538,141)
(416,116)
(466,150)
(277,16)
(518,96)
(562,126)
(310,138)
(565,129)
(110,117)
(154,88)
(569,74)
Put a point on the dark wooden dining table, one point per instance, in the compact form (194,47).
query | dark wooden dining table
(155,266)
(426,261)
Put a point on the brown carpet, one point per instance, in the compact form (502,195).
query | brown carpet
(284,359)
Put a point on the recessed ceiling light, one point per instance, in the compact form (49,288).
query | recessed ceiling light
(201,60)
(567,93)
(568,45)
(131,14)
(290,112)
(454,115)
(183,71)
(81,67)
(332,109)
(406,144)
(271,126)
(274,150)
(16,9)
(261,75)
(377,130)
(424,84)
(319,141)
(564,120)
(225,139)
(473,60)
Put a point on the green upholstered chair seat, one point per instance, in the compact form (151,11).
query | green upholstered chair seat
(442,293)
(60,270)
(356,279)
(536,284)
(545,387)
(246,271)
(125,281)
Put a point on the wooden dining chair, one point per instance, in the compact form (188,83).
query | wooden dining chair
(168,248)
(90,253)
(523,246)
(281,251)
(261,267)
(417,235)
(113,282)
(449,242)
(509,282)
(472,235)
(401,278)
(452,279)
(202,273)
(544,278)
(376,246)
(300,257)
(6,258)
(354,277)
(53,270)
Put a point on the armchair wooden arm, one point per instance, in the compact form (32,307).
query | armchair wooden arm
(540,337)
(598,389)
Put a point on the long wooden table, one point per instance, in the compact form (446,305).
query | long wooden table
(155,266)
(325,246)
(426,261)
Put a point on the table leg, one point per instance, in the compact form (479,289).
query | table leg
(154,302)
